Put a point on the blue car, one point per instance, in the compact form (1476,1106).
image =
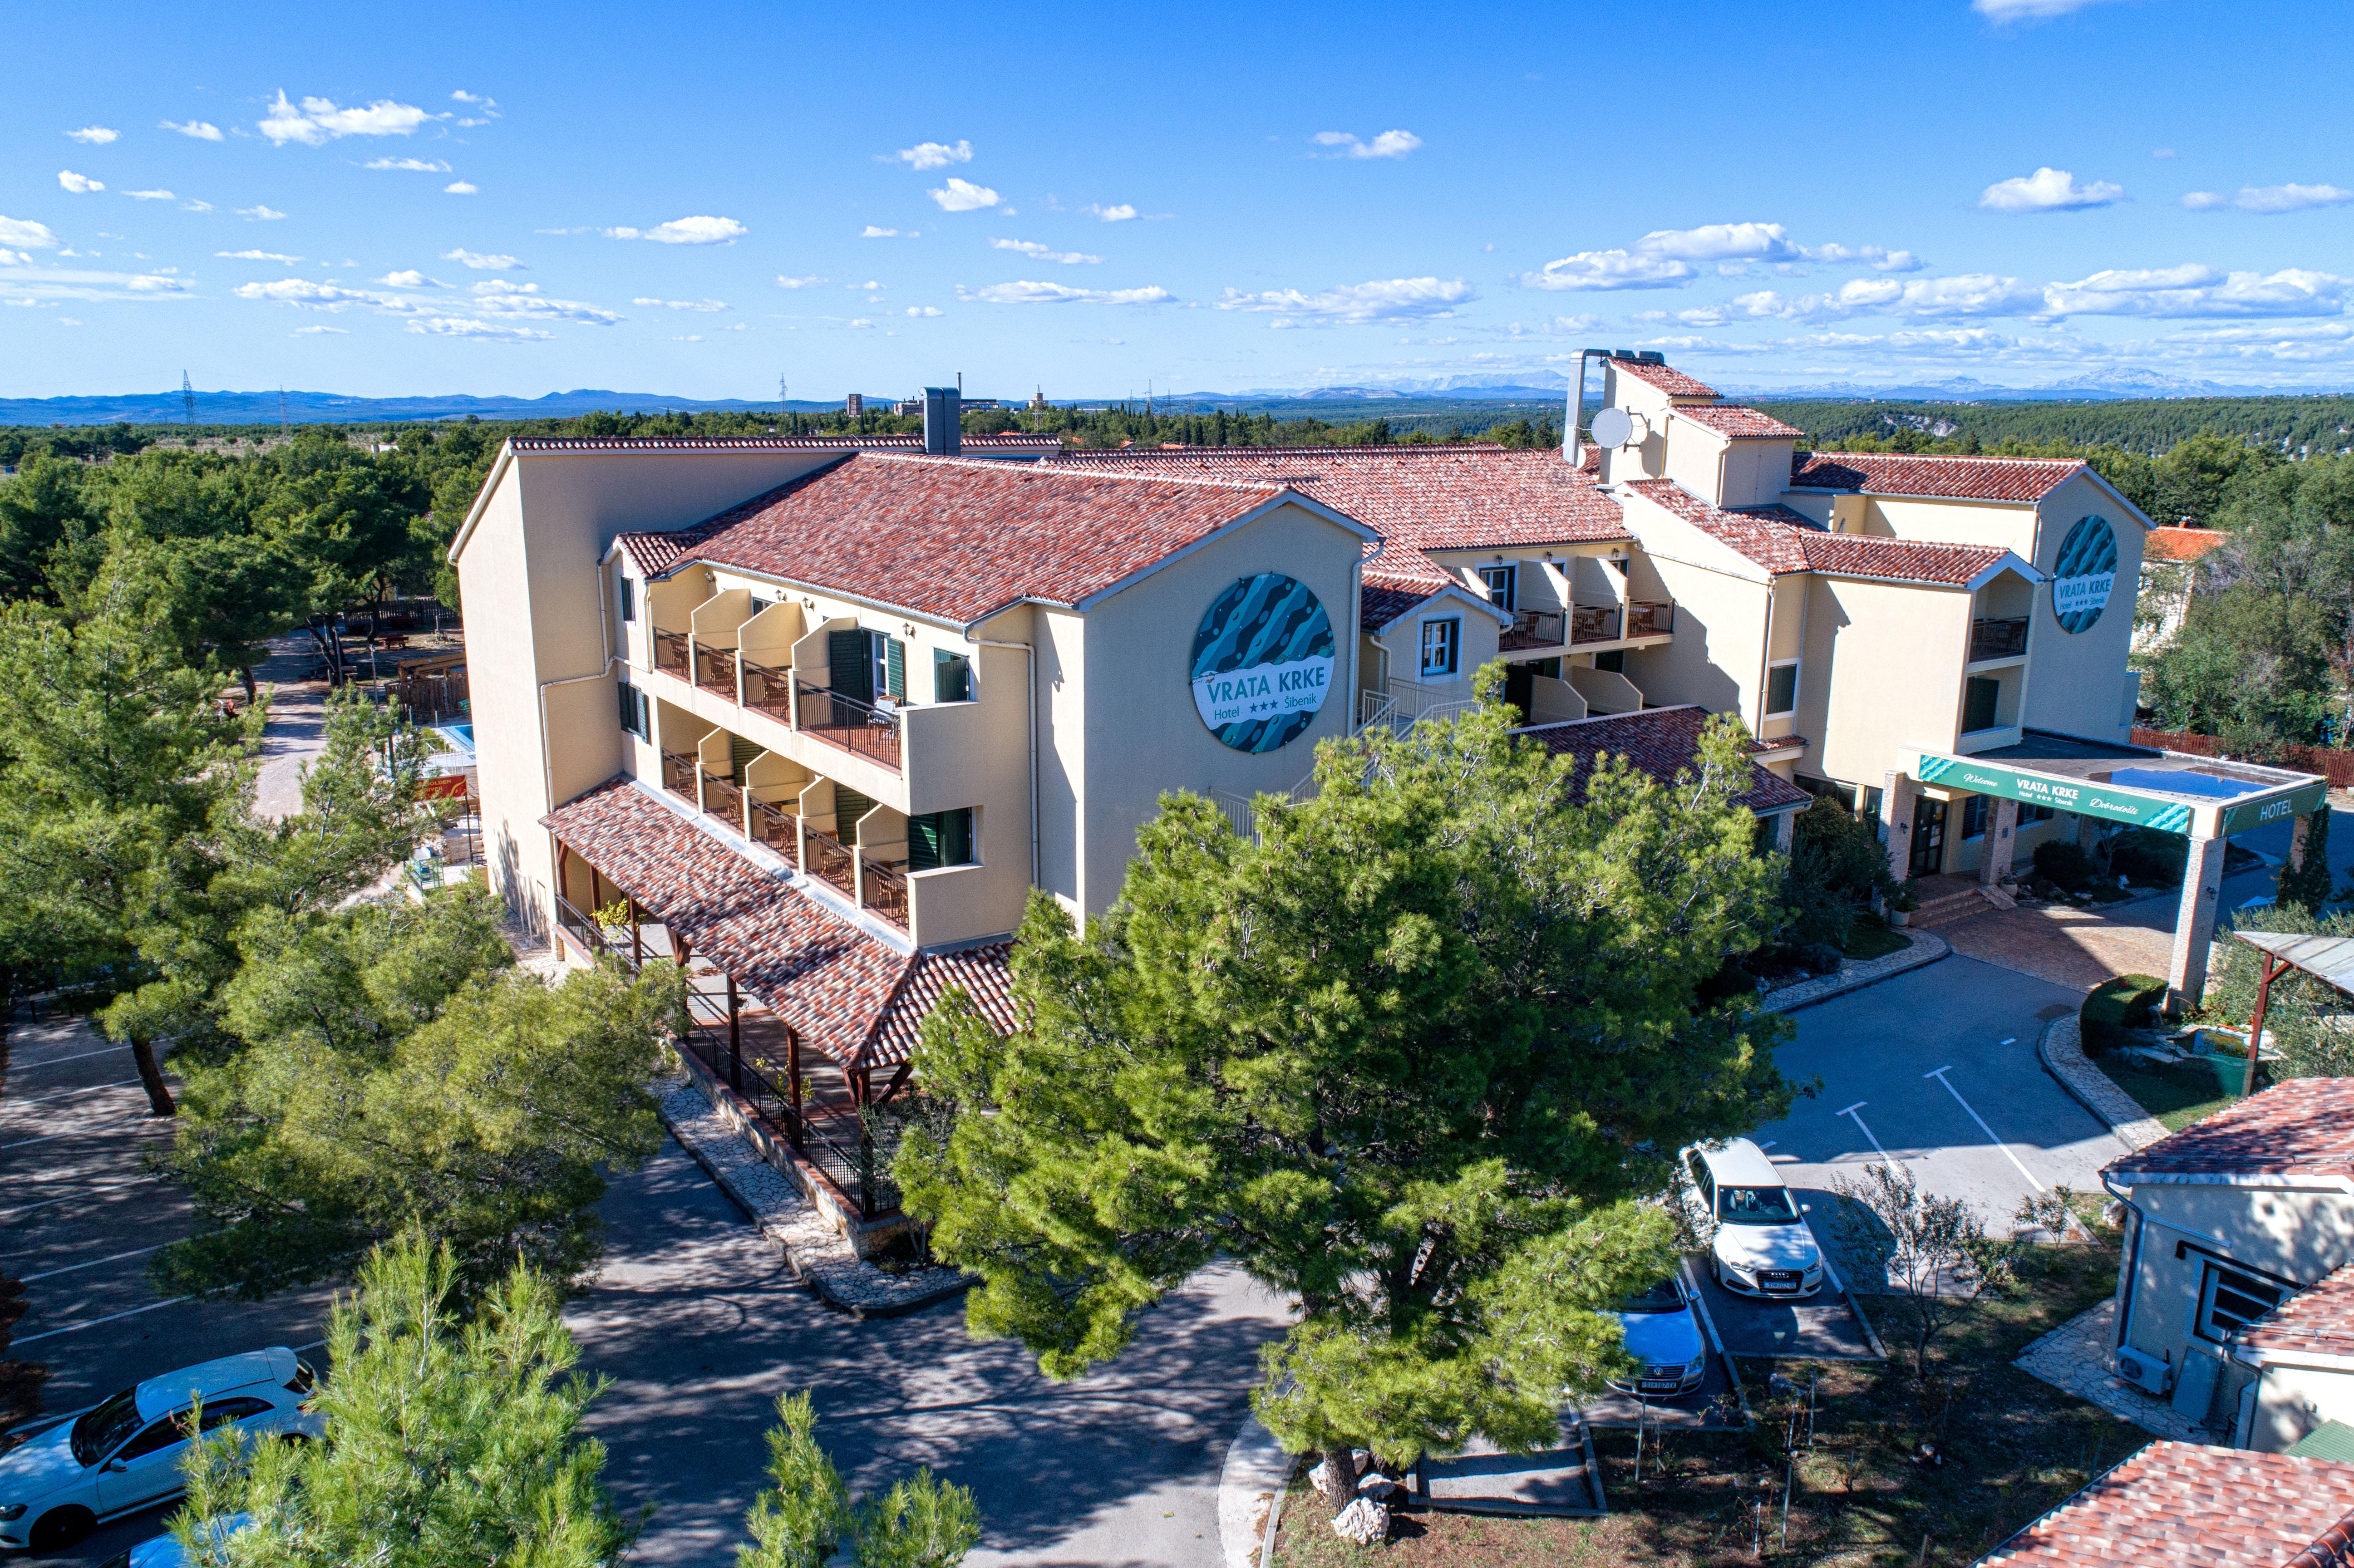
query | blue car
(1663,1336)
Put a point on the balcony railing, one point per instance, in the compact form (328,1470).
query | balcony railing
(1533,629)
(678,773)
(830,861)
(1650,619)
(2005,638)
(865,728)
(722,800)
(1594,623)
(887,892)
(714,670)
(673,652)
(854,1153)
(775,827)
(771,690)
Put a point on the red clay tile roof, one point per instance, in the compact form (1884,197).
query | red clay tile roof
(1733,419)
(849,995)
(1380,603)
(2180,543)
(1008,443)
(1666,378)
(987,975)
(657,552)
(2185,1505)
(1946,478)
(2319,1319)
(1423,498)
(2304,1128)
(1661,742)
(1781,540)
(959,538)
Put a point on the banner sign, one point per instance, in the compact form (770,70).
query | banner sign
(2061,794)
(2084,574)
(1262,662)
(2249,814)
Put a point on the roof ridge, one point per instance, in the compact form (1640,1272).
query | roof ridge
(1940,457)
(941,459)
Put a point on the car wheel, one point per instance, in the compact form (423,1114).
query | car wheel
(62,1527)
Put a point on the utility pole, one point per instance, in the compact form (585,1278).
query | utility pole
(187,401)
(781,396)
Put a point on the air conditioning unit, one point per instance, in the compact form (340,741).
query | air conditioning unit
(2146,1372)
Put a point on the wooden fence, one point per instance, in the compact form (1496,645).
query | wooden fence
(2338,767)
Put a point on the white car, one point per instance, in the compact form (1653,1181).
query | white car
(124,1454)
(1759,1244)
(164,1551)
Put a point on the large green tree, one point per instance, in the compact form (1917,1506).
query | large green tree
(1412,1058)
(798,1522)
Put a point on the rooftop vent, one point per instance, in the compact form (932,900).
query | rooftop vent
(1652,357)
(943,421)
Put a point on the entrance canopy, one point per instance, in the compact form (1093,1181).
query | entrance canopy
(2172,791)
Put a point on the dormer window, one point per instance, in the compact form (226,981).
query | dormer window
(1503,585)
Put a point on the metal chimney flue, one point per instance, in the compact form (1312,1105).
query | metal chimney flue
(943,421)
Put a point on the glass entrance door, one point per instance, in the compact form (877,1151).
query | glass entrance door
(1928,836)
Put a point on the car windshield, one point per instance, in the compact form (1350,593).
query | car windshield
(1756,1206)
(103,1430)
(1659,1297)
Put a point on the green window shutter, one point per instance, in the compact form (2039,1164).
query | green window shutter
(629,600)
(628,707)
(740,752)
(853,665)
(938,839)
(894,655)
(956,837)
(923,842)
(951,677)
(849,805)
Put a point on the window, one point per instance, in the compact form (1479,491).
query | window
(1974,816)
(238,1409)
(1782,688)
(161,1434)
(867,666)
(1615,661)
(1702,1179)
(2229,1299)
(2036,814)
(629,598)
(1977,702)
(1503,586)
(636,715)
(1442,646)
(951,677)
(940,838)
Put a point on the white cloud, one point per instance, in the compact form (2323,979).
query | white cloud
(872,232)
(868,287)
(2195,290)
(1878,258)
(483,263)
(1032,293)
(480,331)
(258,255)
(500,297)
(489,107)
(1966,294)
(94,135)
(1031,249)
(1610,269)
(683,304)
(2161,151)
(925,311)
(202,129)
(26,284)
(862,322)
(80,184)
(1388,144)
(691,337)
(25,233)
(2027,10)
(705,230)
(260,213)
(319,121)
(2270,198)
(192,205)
(935,154)
(413,165)
(151,195)
(2047,190)
(303,292)
(408,278)
(317,329)
(1119,214)
(1392,299)
(1720,241)
(811,281)
(963,195)
(460,188)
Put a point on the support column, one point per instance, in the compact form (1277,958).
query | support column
(2088,828)
(1784,831)
(2002,832)
(2194,922)
(1898,800)
(735,1040)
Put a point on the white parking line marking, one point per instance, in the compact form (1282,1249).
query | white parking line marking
(1893,1165)
(75,1267)
(2012,1041)
(1940,1076)
(54,1060)
(94,1322)
(77,1132)
(69,1197)
(63,1093)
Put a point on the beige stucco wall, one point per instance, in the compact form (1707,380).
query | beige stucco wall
(1716,655)
(1883,675)
(2292,1400)
(2077,684)
(2297,1235)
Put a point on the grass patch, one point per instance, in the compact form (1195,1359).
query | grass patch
(1870,938)
(2176,1095)
(2014,1446)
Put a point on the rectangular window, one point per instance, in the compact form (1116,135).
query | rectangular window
(635,715)
(867,666)
(1974,816)
(894,673)
(2037,814)
(740,752)
(2229,1300)
(1503,586)
(951,677)
(1782,688)
(629,598)
(1442,646)
(940,838)
(1977,702)
(1615,661)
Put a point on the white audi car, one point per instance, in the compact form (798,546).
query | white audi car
(123,1454)
(1758,1241)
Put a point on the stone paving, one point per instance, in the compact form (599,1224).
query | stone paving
(2061,1048)
(2074,1357)
(1924,948)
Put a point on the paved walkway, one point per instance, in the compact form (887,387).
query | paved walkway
(2075,1358)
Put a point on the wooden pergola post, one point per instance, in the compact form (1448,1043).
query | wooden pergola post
(2267,972)
(735,1040)
(637,940)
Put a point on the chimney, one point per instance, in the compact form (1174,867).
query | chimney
(943,421)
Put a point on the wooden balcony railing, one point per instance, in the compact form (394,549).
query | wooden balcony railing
(865,728)
(678,773)
(672,652)
(1594,623)
(2004,639)
(722,800)
(776,827)
(887,892)
(1533,629)
(829,860)
(1650,620)
(714,670)
(771,690)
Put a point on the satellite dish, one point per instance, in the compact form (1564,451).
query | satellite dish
(1611,426)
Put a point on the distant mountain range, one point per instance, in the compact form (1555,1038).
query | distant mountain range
(1523,385)
(313,408)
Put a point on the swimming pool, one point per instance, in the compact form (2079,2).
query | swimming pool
(460,735)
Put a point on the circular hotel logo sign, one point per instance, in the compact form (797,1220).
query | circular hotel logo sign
(1262,662)
(2085,572)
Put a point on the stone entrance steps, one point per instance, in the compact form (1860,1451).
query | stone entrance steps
(1946,899)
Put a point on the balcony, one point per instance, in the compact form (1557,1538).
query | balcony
(778,829)
(1593,623)
(678,773)
(1648,619)
(863,728)
(674,651)
(768,691)
(1531,628)
(2004,639)
(723,803)
(714,670)
(886,890)
(830,861)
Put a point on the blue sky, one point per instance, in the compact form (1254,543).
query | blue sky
(522,199)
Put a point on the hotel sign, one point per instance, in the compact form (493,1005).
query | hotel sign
(2084,574)
(1262,662)
(2246,814)
(2116,803)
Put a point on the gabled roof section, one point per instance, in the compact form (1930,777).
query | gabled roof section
(2023,481)
(1383,598)
(2186,1505)
(2316,1322)
(1734,420)
(2302,1130)
(1666,378)
(1781,541)
(2182,544)
(1663,743)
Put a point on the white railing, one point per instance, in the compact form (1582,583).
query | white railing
(1240,815)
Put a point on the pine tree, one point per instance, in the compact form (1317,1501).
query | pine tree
(922,1521)
(2309,886)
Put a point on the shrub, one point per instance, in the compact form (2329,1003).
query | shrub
(2148,856)
(2118,1006)
(2065,865)
(1837,863)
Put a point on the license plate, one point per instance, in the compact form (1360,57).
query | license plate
(1777,1281)
(1659,1384)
